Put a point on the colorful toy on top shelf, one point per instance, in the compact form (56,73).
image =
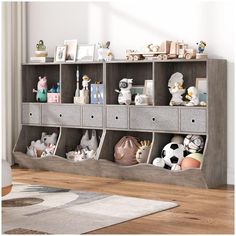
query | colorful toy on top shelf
(143,151)
(175,85)
(124,94)
(125,151)
(41,49)
(201,48)
(41,91)
(192,96)
(104,53)
(193,143)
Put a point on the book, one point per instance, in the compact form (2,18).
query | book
(41,59)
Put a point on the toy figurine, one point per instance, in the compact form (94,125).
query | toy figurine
(40,49)
(192,96)
(201,46)
(42,87)
(83,97)
(77,83)
(85,82)
(143,151)
(124,94)
(141,99)
(104,53)
(175,85)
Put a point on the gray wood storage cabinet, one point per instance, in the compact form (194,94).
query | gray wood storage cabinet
(157,122)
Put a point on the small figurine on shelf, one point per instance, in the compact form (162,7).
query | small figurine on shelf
(175,85)
(192,96)
(124,94)
(104,53)
(201,49)
(41,49)
(82,96)
(54,96)
(141,99)
(41,91)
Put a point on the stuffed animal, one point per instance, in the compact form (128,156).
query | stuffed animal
(125,94)
(49,139)
(37,148)
(41,91)
(76,155)
(192,96)
(92,143)
(143,151)
(201,46)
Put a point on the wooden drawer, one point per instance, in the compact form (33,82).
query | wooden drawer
(92,116)
(193,120)
(154,118)
(117,117)
(65,115)
(31,113)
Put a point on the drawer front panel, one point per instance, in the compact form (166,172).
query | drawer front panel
(117,117)
(65,115)
(92,116)
(31,114)
(193,120)
(152,118)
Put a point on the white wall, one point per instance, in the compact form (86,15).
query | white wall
(132,24)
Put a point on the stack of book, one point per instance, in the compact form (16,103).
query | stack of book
(41,59)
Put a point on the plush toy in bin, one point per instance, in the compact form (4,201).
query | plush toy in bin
(125,151)
(42,89)
(193,160)
(143,151)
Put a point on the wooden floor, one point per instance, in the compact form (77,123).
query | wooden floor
(200,211)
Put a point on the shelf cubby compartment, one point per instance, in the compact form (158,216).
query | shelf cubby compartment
(93,70)
(112,137)
(115,71)
(71,137)
(28,134)
(163,71)
(30,78)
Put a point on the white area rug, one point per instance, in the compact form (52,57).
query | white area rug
(64,211)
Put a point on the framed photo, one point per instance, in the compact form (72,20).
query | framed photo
(148,90)
(71,50)
(136,89)
(85,52)
(201,85)
(60,54)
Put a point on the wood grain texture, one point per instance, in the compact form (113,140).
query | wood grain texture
(201,211)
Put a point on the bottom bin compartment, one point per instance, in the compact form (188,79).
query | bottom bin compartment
(71,138)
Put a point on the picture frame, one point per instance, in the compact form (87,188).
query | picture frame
(71,49)
(136,89)
(60,54)
(201,85)
(85,52)
(148,90)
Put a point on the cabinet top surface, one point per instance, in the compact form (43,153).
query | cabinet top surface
(121,61)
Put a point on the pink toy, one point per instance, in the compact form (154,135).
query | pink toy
(42,89)
(54,98)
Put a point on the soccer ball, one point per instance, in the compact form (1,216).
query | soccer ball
(173,153)
(193,143)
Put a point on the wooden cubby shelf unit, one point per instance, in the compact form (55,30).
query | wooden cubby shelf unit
(157,122)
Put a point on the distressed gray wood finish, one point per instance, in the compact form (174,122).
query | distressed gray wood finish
(31,113)
(215,159)
(193,120)
(210,122)
(30,78)
(68,78)
(154,118)
(92,116)
(65,115)
(117,117)
(104,168)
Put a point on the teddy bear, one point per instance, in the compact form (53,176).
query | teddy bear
(49,139)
